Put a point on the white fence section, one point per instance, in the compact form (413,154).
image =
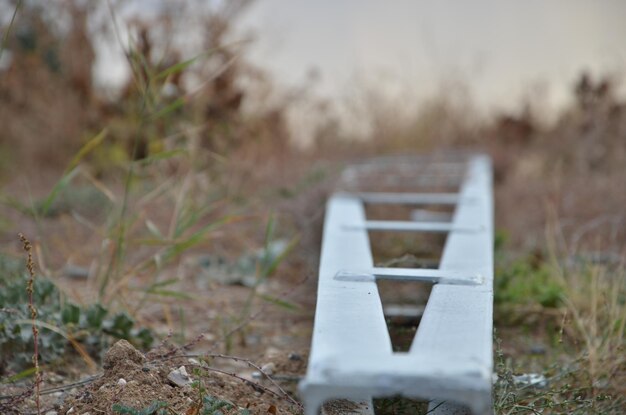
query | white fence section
(450,359)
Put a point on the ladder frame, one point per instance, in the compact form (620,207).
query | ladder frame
(451,357)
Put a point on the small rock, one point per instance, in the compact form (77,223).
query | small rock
(268,368)
(121,382)
(179,377)
(193,361)
(253,339)
(271,352)
(537,349)
(70,411)
(76,272)
(52,413)
(295,357)
(531,379)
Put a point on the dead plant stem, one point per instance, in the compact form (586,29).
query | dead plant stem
(30,289)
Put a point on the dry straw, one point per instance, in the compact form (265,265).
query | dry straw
(30,288)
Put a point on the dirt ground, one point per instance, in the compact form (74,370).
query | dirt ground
(250,349)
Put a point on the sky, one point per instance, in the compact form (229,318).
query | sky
(500,53)
(502,50)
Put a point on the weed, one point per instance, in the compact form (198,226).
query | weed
(210,405)
(561,392)
(155,408)
(88,329)
(591,297)
(8,30)
(274,253)
(399,405)
(30,289)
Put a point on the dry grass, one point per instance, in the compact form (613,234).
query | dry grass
(594,294)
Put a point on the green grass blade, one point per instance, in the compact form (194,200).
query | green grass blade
(86,149)
(271,267)
(158,289)
(6,33)
(161,284)
(280,302)
(179,102)
(190,217)
(58,187)
(15,204)
(196,238)
(154,230)
(269,231)
(19,376)
(178,67)
(163,155)
(172,294)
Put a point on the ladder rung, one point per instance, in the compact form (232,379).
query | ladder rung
(411,226)
(410,198)
(412,274)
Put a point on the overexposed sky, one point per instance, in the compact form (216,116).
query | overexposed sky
(499,48)
(500,52)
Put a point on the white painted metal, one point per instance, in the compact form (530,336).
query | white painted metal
(409,198)
(411,274)
(450,358)
(423,215)
(410,226)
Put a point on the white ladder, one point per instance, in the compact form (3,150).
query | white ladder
(450,359)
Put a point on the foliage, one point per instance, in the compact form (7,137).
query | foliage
(523,281)
(155,408)
(61,323)
(399,405)
(210,406)
(561,393)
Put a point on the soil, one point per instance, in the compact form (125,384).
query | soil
(135,381)
(212,319)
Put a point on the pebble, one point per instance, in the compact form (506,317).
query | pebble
(52,413)
(121,382)
(272,352)
(295,357)
(268,368)
(253,339)
(76,272)
(70,411)
(179,377)
(531,379)
(537,349)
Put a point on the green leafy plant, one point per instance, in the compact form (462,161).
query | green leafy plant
(210,406)
(155,408)
(561,394)
(61,324)
(524,282)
